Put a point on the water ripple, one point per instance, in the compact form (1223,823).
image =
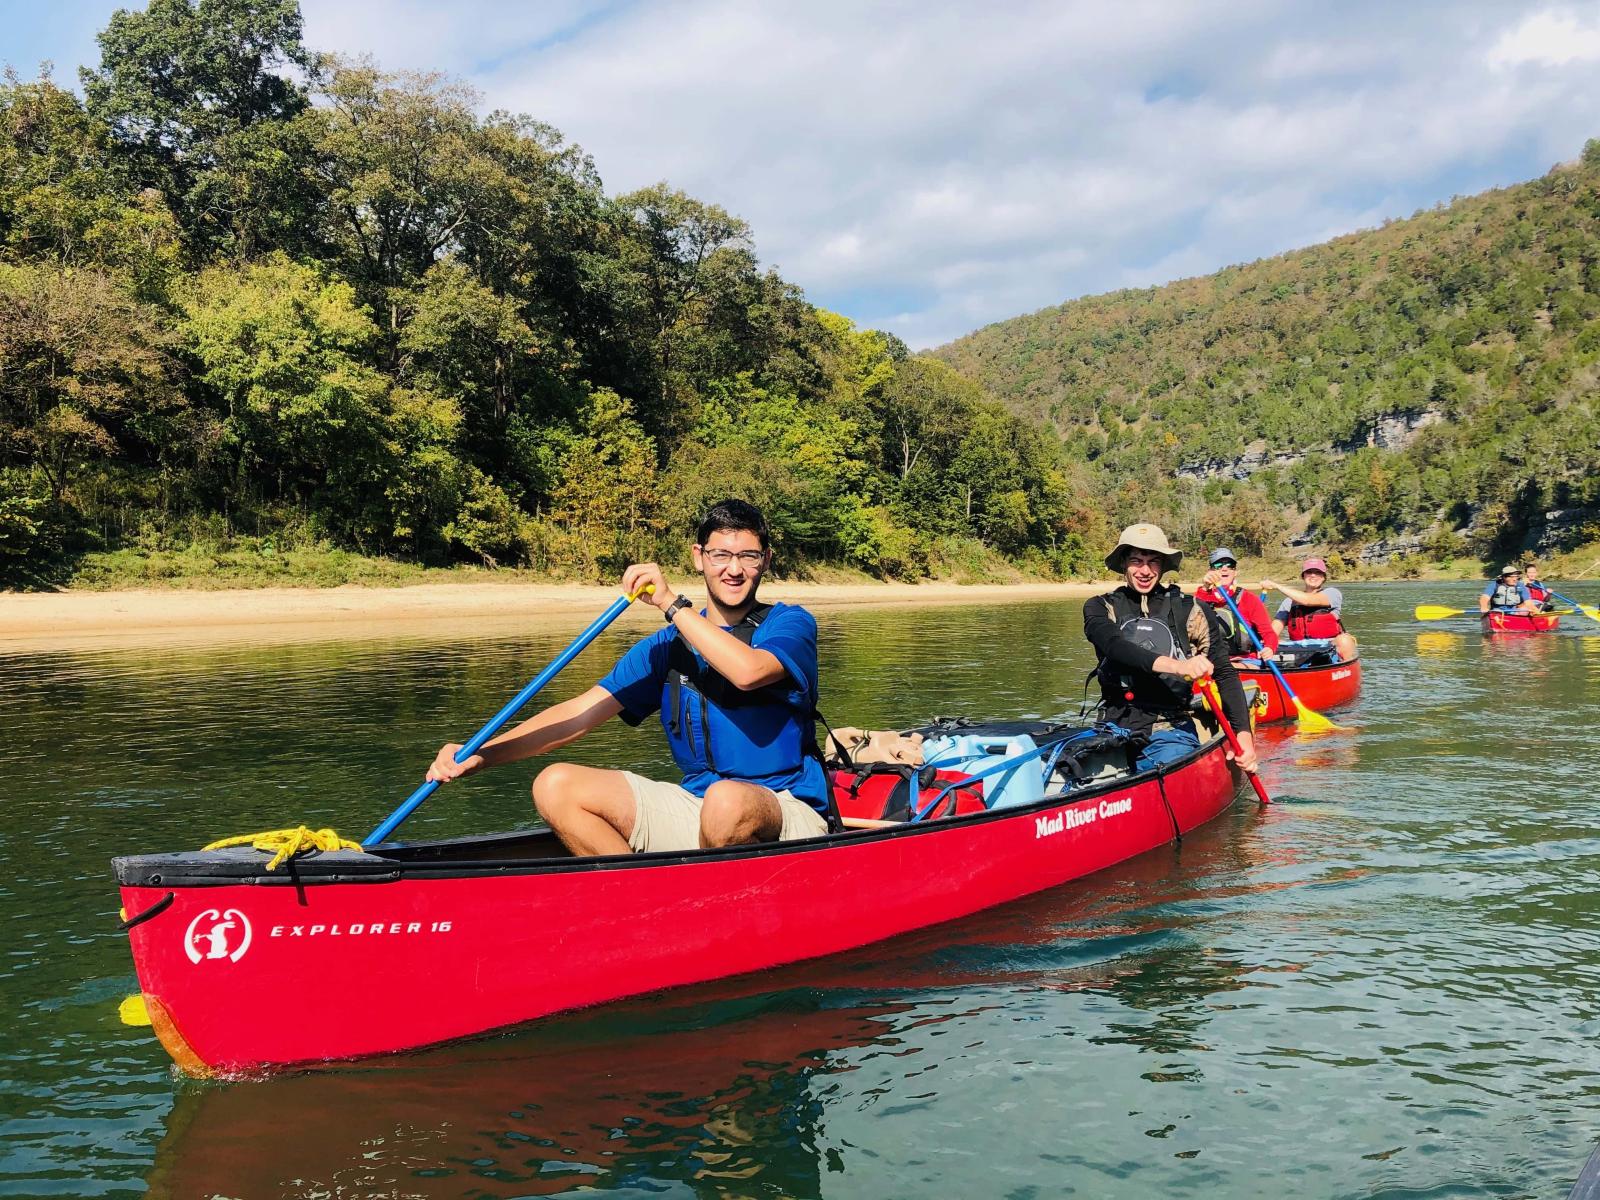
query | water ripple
(1383,987)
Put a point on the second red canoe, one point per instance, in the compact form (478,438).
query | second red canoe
(1325,685)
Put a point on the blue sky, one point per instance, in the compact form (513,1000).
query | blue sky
(931,167)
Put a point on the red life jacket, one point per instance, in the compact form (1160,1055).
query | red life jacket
(1538,591)
(1311,624)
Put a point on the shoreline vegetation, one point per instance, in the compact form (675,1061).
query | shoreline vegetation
(360,599)
(288,319)
(138,618)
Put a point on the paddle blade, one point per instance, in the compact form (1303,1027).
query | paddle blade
(1436,612)
(133,1011)
(1589,611)
(1310,721)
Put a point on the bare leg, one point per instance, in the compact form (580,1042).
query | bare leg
(591,810)
(1345,645)
(736,813)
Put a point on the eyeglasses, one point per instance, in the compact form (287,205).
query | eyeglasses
(721,558)
(1225,566)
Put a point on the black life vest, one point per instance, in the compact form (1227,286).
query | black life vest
(1160,624)
(1238,638)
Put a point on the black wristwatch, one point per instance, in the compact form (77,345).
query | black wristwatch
(676,607)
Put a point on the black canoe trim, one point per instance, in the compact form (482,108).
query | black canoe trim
(537,852)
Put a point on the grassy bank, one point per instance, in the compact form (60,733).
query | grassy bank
(261,563)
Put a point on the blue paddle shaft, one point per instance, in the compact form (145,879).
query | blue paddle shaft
(1260,649)
(475,743)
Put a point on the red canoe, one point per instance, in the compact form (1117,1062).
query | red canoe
(348,954)
(1520,622)
(1322,686)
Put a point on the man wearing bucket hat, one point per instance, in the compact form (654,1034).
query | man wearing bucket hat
(1153,642)
(1311,612)
(1223,577)
(1508,593)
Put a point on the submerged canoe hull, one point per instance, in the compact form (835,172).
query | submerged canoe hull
(354,954)
(1520,622)
(1319,687)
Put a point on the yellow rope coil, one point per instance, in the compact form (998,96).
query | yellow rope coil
(286,843)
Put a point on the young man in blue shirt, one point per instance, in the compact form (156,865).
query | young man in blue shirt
(736,688)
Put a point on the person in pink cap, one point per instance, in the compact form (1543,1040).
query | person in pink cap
(1311,612)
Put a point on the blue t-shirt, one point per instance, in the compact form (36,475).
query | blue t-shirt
(1523,595)
(789,634)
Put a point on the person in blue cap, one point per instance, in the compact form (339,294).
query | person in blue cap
(1224,577)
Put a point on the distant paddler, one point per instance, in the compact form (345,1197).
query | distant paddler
(1507,594)
(1153,643)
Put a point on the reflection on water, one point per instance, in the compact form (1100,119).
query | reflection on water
(700,1095)
(1438,643)
(1383,985)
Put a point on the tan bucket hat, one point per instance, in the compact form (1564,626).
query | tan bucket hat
(1144,537)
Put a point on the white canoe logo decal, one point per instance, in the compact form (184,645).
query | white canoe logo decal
(1049,825)
(217,933)
(1340,675)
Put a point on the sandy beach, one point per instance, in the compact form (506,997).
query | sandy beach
(40,621)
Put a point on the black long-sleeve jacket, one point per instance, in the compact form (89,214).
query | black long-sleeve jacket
(1127,667)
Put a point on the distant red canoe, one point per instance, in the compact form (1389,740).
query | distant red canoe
(1319,687)
(348,954)
(1520,622)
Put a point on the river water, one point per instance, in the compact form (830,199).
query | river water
(1385,985)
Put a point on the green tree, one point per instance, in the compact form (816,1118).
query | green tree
(309,422)
(460,340)
(84,372)
(607,497)
(62,200)
(197,96)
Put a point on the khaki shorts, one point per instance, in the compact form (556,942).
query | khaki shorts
(666,816)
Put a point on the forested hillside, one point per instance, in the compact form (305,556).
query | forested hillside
(1428,387)
(255,299)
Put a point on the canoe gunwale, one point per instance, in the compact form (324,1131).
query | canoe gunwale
(243,865)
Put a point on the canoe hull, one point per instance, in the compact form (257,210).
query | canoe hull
(1520,622)
(366,954)
(1319,688)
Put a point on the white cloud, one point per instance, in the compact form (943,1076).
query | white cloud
(931,167)
(1550,38)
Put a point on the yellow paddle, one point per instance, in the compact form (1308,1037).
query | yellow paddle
(1438,612)
(1587,610)
(1307,719)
